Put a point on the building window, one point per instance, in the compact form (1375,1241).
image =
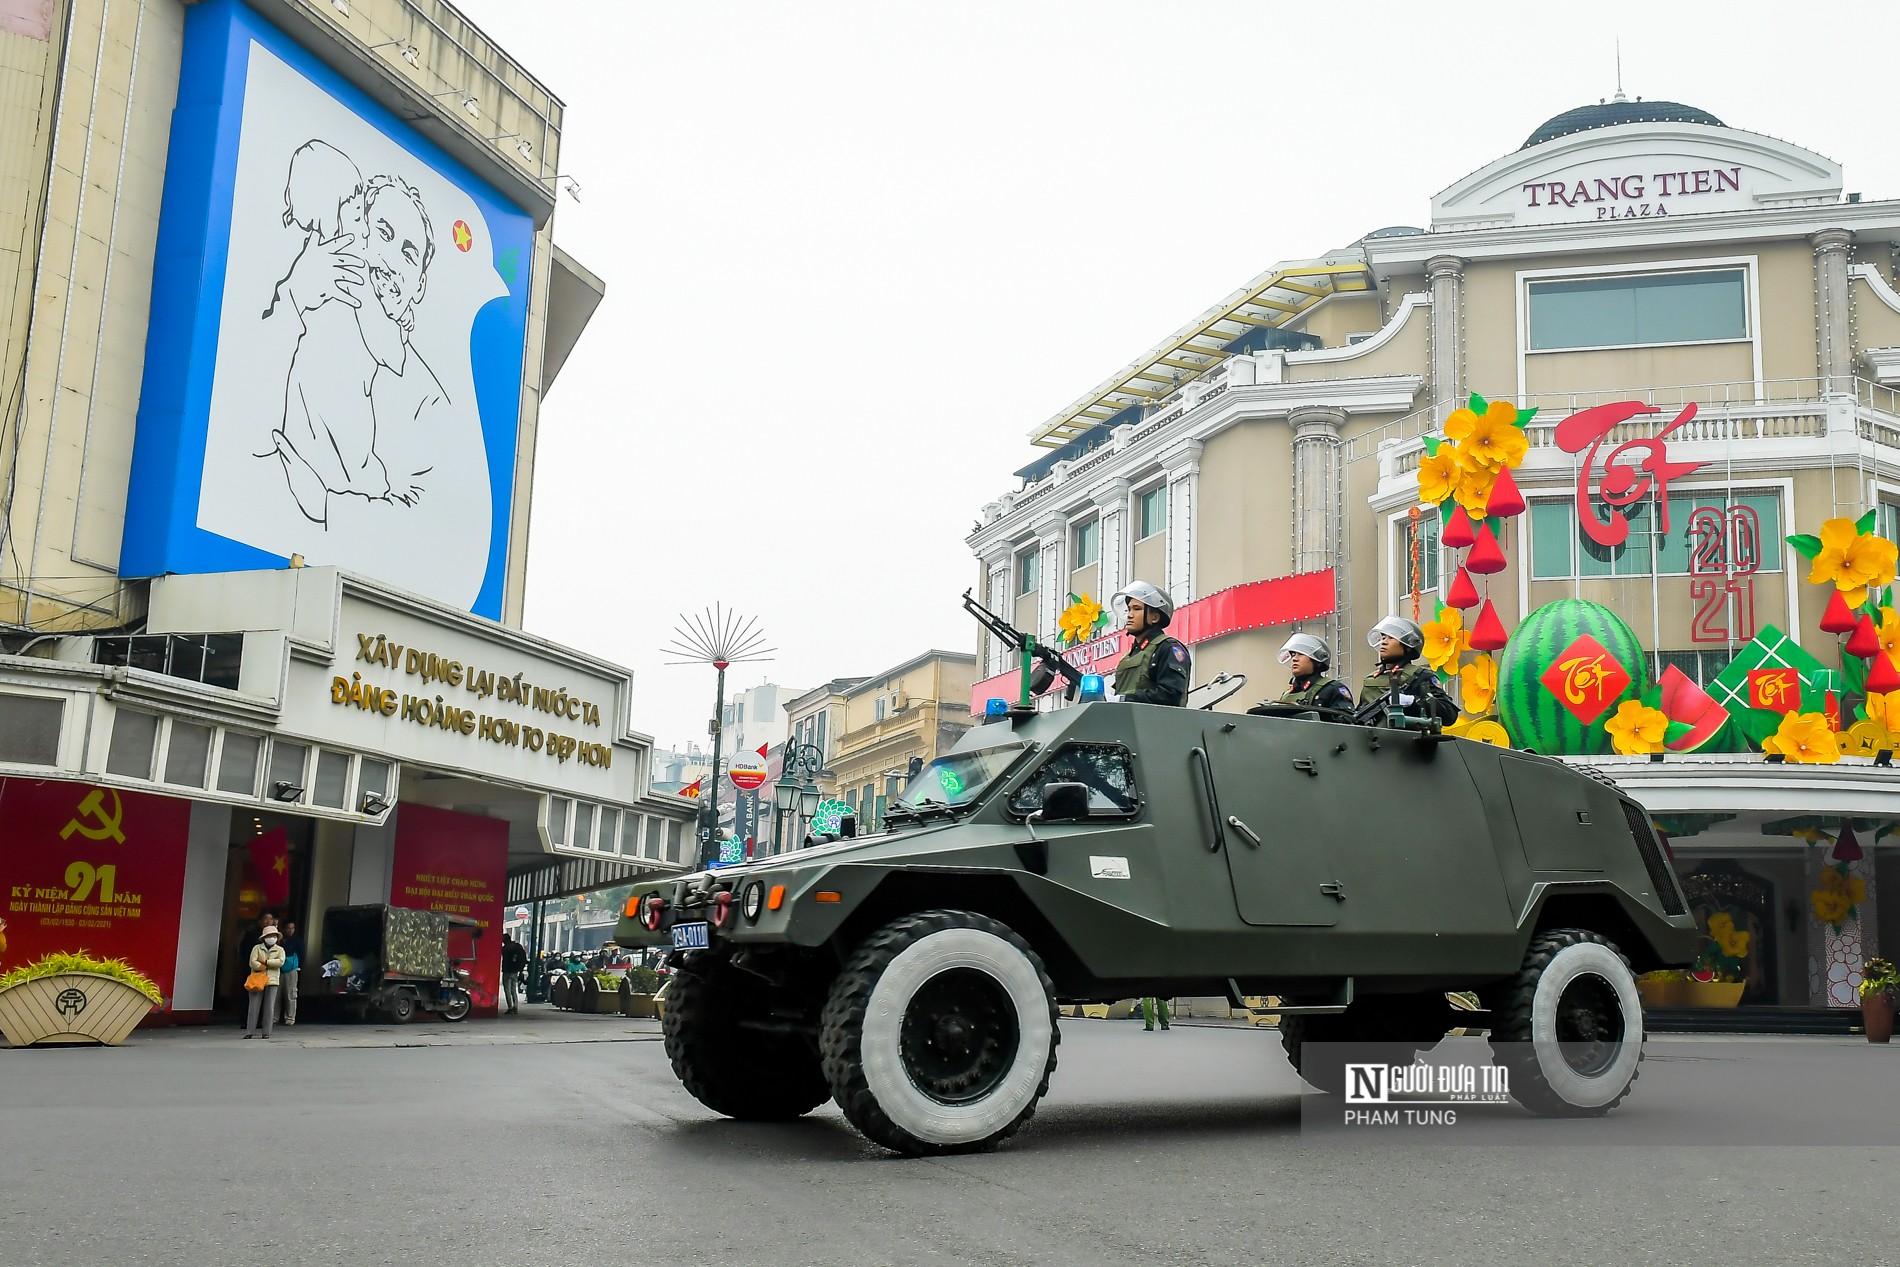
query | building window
(818,741)
(29,729)
(1425,529)
(1887,521)
(1152,509)
(1560,550)
(1649,308)
(881,707)
(134,736)
(1087,542)
(187,754)
(1028,572)
(237,763)
(333,779)
(1701,667)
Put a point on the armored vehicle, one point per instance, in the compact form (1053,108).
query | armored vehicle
(1113,850)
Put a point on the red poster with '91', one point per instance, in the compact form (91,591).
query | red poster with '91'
(94,869)
(456,863)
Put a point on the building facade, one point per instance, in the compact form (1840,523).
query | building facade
(912,711)
(1720,287)
(284,300)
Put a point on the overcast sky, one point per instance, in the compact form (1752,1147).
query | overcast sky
(855,252)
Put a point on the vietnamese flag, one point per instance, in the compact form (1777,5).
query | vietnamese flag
(270,855)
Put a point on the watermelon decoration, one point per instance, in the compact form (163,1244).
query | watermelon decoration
(1566,668)
(1683,701)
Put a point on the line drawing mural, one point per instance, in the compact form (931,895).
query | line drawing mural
(344,423)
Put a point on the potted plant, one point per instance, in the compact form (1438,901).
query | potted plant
(1879,984)
(74,998)
(637,989)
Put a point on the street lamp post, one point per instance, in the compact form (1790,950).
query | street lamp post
(722,639)
(796,794)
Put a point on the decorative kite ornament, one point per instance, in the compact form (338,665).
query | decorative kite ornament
(1463,594)
(1486,557)
(1504,501)
(1839,617)
(1487,634)
(1458,533)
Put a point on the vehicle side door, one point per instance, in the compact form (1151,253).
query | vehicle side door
(1272,817)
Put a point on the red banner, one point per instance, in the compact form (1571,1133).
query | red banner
(270,855)
(1280,600)
(92,869)
(456,863)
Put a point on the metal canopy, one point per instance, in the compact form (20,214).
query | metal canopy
(1275,299)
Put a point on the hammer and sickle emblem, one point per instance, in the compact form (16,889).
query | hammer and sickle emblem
(93,808)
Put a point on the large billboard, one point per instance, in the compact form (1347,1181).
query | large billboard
(338,330)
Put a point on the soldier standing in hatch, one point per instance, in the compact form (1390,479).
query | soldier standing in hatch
(1157,668)
(1309,657)
(1400,682)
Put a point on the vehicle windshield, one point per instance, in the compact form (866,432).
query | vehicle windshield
(958,779)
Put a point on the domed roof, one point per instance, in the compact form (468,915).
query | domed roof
(1607,114)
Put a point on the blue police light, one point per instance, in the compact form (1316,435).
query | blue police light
(1093,686)
(996,708)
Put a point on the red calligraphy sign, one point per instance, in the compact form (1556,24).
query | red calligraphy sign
(1586,679)
(1621,481)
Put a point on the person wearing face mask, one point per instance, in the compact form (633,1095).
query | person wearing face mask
(266,962)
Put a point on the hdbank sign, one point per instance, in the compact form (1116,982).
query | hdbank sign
(338,322)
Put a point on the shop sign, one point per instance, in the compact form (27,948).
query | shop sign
(1633,193)
(93,869)
(748,772)
(1632,471)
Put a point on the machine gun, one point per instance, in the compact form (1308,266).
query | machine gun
(1041,666)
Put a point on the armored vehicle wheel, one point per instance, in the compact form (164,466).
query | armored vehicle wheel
(1381,1031)
(940,1034)
(1569,1026)
(752,1075)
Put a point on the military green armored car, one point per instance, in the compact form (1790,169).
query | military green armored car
(1111,850)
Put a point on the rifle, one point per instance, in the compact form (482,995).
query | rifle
(1049,665)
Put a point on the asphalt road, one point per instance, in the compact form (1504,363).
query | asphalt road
(1176,1148)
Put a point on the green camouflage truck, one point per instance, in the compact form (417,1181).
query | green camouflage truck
(1110,850)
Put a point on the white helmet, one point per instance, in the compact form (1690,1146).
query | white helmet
(1307,645)
(1145,594)
(1410,636)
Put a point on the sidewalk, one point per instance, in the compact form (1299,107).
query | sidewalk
(535,1023)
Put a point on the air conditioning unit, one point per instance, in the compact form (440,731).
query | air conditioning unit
(899,701)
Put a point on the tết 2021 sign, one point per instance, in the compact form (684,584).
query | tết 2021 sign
(336,345)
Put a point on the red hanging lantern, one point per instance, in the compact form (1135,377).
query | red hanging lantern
(1486,556)
(1838,618)
(1865,639)
(1882,678)
(1463,594)
(1458,532)
(1487,633)
(1504,500)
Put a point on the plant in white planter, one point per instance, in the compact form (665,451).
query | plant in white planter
(74,998)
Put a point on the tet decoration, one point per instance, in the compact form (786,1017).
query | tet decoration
(1081,620)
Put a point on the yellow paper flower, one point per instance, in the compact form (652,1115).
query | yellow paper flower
(1884,710)
(1473,489)
(1079,620)
(1888,631)
(1493,444)
(1480,683)
(1636,728)
(1480,730)
(1502,411)
(1853,560)
(1829,906)
(1732,940)
(1833,880)
(1804,737)
(1445,638)
(1438,474)
(1460,423)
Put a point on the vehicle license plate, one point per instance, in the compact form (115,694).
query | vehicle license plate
(690,936)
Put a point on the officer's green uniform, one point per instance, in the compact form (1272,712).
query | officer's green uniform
(1156,670)
(1409,677)
(1318,691)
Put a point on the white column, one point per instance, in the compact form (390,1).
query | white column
(1183,465)
(207,846)
(1111,505)
(998,599)
(1447,274)
(1316,492)
(1833,337)
(1052,532)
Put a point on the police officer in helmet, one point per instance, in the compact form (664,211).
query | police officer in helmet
(1401,684)
(1309,657)
(1157,668)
